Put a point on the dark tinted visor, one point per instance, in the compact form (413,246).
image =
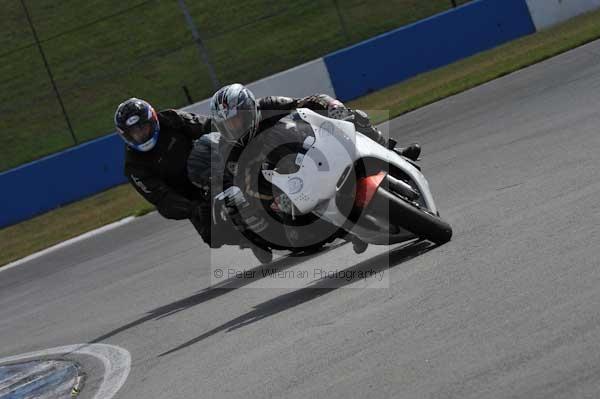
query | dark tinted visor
(236,126)
(139,133)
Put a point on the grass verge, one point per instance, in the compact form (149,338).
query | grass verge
(43,231)
(25,238)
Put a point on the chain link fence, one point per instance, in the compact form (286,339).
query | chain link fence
(92,55)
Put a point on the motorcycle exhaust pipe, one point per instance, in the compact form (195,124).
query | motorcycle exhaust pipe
(367,186)
(399,187)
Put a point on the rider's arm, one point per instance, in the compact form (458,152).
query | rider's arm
(319,102)
(192,125)
(168,202)
(273,108)
(337,110)
(276,107)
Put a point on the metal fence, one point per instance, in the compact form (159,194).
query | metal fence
(65,65)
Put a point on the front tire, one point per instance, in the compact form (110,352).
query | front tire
(408,216)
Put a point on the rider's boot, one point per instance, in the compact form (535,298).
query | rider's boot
(359,246)
(264,256)
(411,152)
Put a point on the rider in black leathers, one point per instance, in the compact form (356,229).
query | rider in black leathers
(214,158)
(240,118)
(158,145)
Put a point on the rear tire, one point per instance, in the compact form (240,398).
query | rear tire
(403,214)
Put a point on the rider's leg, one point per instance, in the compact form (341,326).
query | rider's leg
(203,227)
(363,125)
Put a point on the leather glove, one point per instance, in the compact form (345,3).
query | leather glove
(234,199)
(241,213)
(337,110)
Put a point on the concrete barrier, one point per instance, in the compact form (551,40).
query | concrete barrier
(426,45)
(546,13)
(303,80)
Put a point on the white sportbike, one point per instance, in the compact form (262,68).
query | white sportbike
(347,180)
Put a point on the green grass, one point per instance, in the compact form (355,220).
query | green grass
(25,238)
(103,51)
(70,221)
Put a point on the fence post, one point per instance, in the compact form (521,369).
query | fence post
(342,21)
(187,95)
(39,46)
(201,48)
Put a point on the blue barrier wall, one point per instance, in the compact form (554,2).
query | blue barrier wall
(426,45)
(56,180)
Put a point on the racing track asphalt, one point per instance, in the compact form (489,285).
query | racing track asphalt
(508,308)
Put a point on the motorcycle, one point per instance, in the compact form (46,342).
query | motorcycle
(325,180)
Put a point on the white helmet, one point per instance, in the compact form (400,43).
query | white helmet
(234,111)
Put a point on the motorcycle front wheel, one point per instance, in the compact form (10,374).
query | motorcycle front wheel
(409,216)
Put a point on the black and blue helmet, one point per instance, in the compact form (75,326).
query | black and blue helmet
(137,124)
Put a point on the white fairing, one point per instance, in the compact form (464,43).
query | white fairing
(365,147)
(330,153)
(335,148)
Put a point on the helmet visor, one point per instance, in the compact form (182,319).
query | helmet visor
(138,134)
(236,126)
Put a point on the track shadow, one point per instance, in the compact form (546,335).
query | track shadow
(298,297)
(219,289)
